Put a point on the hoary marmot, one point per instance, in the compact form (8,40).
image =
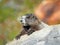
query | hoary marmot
(30,24)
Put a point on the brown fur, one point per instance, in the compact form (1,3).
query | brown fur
(30,31)
(33,24)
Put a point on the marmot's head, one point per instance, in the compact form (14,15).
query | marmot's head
(29,19)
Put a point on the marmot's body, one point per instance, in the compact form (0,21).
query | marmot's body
(30,24)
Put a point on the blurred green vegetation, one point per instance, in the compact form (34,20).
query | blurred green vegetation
(9,12)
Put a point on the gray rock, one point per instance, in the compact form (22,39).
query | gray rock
(50,35)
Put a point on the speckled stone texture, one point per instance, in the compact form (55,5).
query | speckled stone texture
(49,35)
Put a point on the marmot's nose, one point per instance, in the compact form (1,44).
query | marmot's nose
(23,21)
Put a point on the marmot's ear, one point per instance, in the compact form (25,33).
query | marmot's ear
(28,15)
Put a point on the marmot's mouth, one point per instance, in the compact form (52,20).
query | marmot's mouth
(27,27)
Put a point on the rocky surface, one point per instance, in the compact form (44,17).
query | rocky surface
(50,35)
